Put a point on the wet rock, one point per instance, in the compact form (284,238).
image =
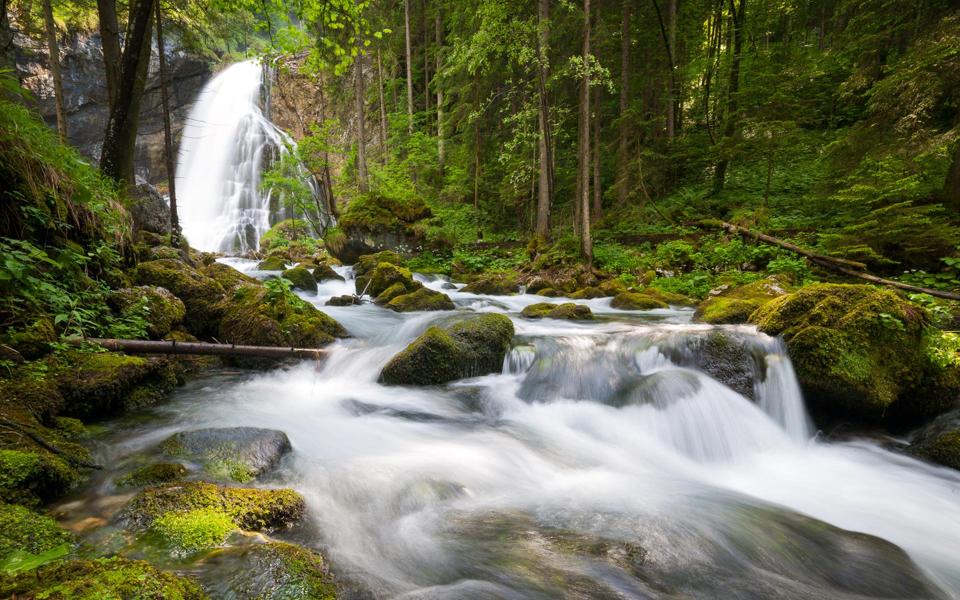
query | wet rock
(568,311)
(227,276)
(419,300)
(23,530)
(272,571)
(153,474)
(636,301)
(272,263)
(324,272)
(939,442)
(384,276)
(493,284)
(200,294)
(236,453)
(161,310)
(735,305)
(588,293)
(149,210)
(344,300)
(470,348)
(301,278)
(732,359)
(864,352)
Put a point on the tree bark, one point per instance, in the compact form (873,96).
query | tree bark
(597,210)
(672,82)
(53,49)
(361,119)
(409,61)
(383,111)
(426,58)
(198,348)
(110,45)
(586,245)
(119,142)
(167,133)
(730,128)
(623,179)
(545,178)
(951,188)
(441,142)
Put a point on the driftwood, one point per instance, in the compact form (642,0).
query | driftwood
(200,348)
(840,265)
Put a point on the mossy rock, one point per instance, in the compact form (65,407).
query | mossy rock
(612,287)
(251,509)
(274,571)
(324,272)
(105,383)
(939,441)
(735,305)
(302,279)
(588,293)
(200,294)
(154,474)
(191,531)
(272,263)
(227,276)
(159,252)
(568,311)
(25,531)
(397,289)
(32,477)
(284,232)
(368,262)
(344,300)
(494,284)
(669,298)
(863,352)
(161,310)
(32,341)
(239,454)
(383,276)
(549,293)
(421,300)
(470,348)
(636,301)
(101,579)
(537,283)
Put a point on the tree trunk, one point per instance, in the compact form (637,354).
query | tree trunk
(623,180)
(119,142)
(361,119)
(167,134)
(730,128)
(327,179)
(426,59)
(110,45)
(383,111)
(53,49)
(545,184)
(199,348)
(672,82)
(597,198)
(8,51)
(409,61)
(441,143)
(586,246)
(951,189)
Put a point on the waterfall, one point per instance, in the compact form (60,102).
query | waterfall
(227,142)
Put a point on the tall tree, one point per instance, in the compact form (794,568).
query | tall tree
(359,93)
(110,46)
(53,49)
(583,147)
(672,82)
(441,142)
(167,132)
(119,142)
(544,146)
(739,17)
(623,161)
(409,61)
(597,209)
(383,110)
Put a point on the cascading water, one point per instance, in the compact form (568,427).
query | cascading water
(227,142)
(638,456)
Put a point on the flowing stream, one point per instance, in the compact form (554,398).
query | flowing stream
(604,461)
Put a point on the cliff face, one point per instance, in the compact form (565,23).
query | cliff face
(85,96)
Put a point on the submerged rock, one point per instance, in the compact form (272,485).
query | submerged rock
(735,305)
(470,348)
(238,453)
(636,301)
(939,442)
(863,351)
(421,299)
(301,278)
(154,474)
(568,311)
(161,310)
(272,571)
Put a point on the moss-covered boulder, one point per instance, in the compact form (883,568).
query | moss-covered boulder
(344,300)
(588,293)
(301,278)
(157,306)
(368,262)
(549,293)
(190,531)
(227,276)
(272,263)
(250,508)
(324,272)
(636,301)
(669,298)
(105,383)
(230,453)
(284,232)
(736,304)
(568,311)
(153,474)
(201,295)
(31,341)
(101,579)
(421,299)
(469,348)
(27,532)
(864,352)
(939,441)
(382,277)
(273,571)
(493,284)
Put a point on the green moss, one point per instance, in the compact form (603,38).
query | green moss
(28,477)
(200,294)
(158,252)
(377,213)
(22,530)
(636,301)
(384,276)
(280,571)
(101,579)
(397,289)
(568,311)
(421,299)
(612,287)
(272,263)
(301,278)
(34,340)
(469,348)
(160,309)
(588,293)
(227,276)
(154,474)
(366,264)
(549,293)
(195,530)
(493,284)
(283,233)
(101,383)
(250,508)
(668,297)
(735,305)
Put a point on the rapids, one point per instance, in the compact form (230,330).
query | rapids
(607,431)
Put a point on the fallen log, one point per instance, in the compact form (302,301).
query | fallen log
(199,348)
(840,265)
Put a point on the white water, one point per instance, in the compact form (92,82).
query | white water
(227,142)
(591,428)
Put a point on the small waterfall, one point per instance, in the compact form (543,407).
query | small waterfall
(227,142)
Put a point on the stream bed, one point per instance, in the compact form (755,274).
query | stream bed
(638,455)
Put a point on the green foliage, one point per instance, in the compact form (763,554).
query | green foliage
(193,531)
(279,289)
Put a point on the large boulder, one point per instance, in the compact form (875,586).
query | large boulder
(735,304)
(419,300)
(324,272)
(201,295)
(157,306)
(235,453)
(273,571)
(864,352)
(470,348)
(568,311)
(383,276)
(227,276)
(734,359)
(636,301)
(493,284)
(939,441)
(149,210)
(301,278)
